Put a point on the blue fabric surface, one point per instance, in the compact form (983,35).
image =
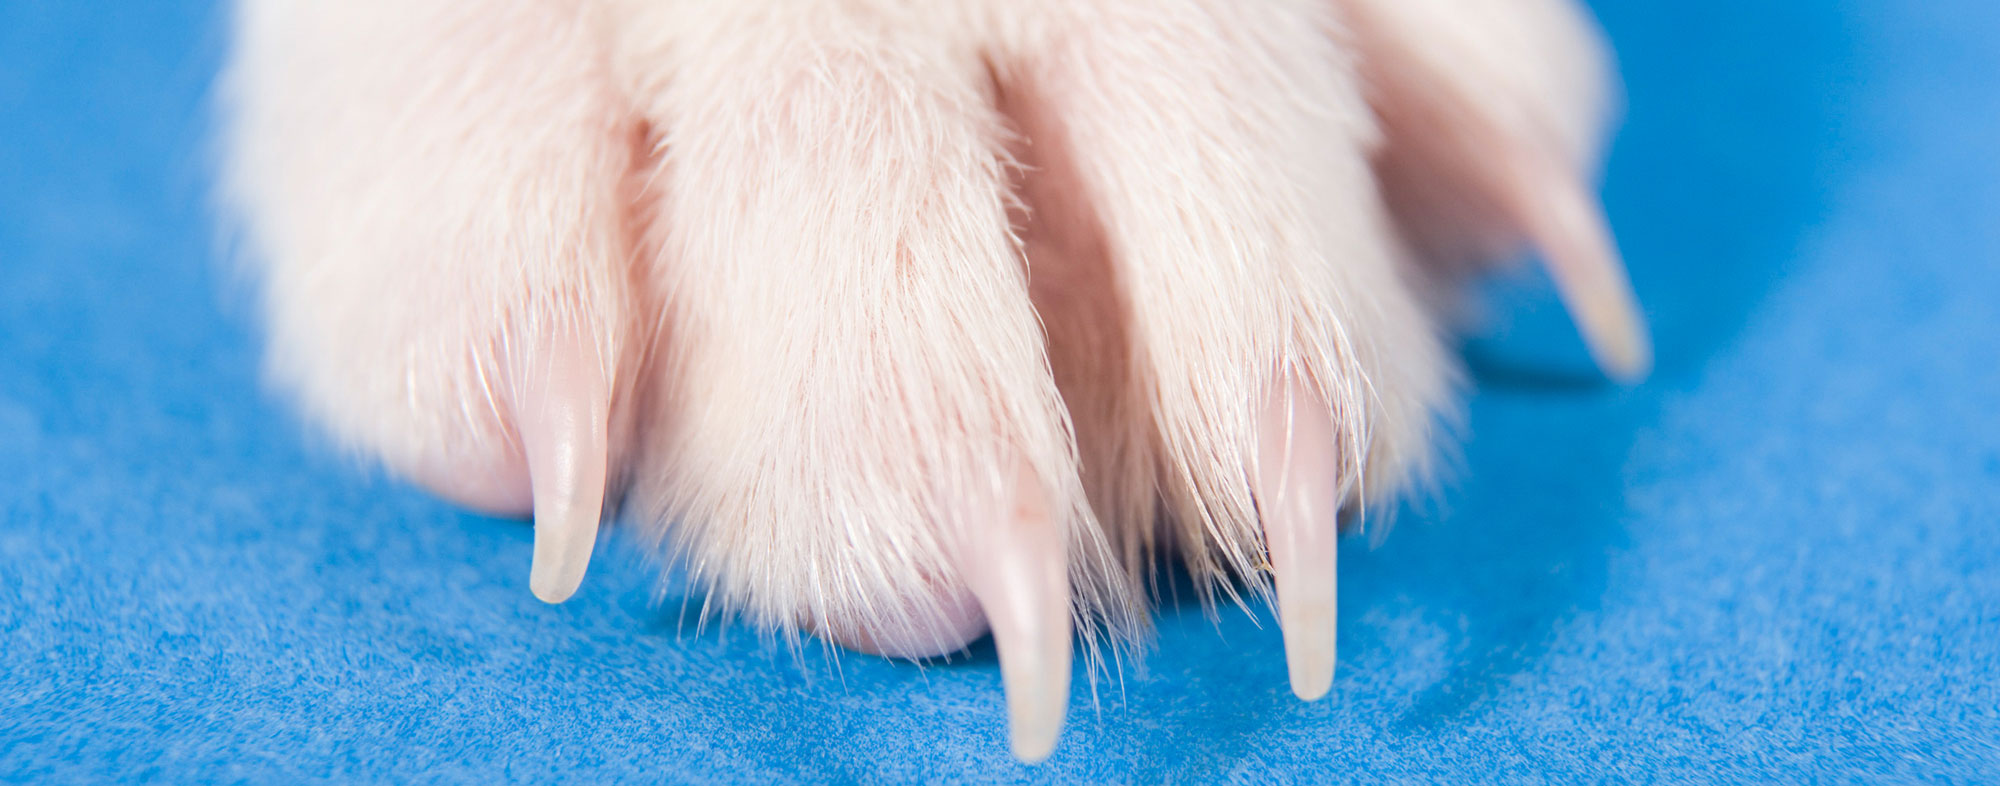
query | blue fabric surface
(1776,560)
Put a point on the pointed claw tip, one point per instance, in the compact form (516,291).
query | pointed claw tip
(1034,752)
(1037,686)
(1299,501)
(549,585)
(564,424)
(1019,577)
(1618,340)
(549,592)
(565,536)
(1630,362)
(1565,221)
(1034,671)
(1310,641)
(1311,687)
(1034,738)
(1311,666)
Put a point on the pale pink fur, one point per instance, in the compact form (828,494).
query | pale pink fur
(857,276)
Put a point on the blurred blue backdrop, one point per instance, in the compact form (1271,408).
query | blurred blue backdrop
(1779,559)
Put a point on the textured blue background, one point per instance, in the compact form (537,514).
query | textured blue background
(1775,560)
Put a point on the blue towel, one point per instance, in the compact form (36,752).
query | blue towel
(1778,559)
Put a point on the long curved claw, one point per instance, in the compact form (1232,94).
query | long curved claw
(1453,80)
(564,421)
(1017,566)
(1299,504)
(1567,225)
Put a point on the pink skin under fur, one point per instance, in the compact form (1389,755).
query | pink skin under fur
(899,322)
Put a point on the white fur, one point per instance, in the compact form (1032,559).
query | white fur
(431,190)
(1450,79)
(837,319)
(851,359)
(1223,149)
